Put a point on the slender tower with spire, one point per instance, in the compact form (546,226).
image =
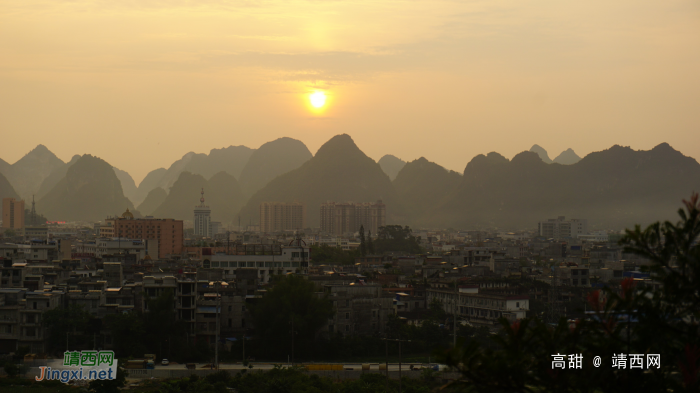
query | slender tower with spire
(202,218)
(33,214)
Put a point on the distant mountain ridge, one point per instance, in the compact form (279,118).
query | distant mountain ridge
(271,160)
(613,188)
(339,171)
(90,191)
(222,194)
(231,159)
(567,157)
(391,165)
(27,174)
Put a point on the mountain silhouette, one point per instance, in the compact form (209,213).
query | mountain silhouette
(422,183)
(231,159)
(567,157)
(391,165)
(90,191)
(542,153)
(27,174)
(614,188)
(6,189)
(271,160)
(128,185)
(222,194)
(54,177)
(153,200)
(339,171)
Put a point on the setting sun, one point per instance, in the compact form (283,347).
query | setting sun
(318,99)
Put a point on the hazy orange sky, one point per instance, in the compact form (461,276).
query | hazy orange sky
(139,83)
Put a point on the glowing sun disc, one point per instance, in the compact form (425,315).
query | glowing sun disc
(318,99)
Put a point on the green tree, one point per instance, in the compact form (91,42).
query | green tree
(292,301)
(109,385)
(370,243)
(72,321)
(397,238)
(10,233)
(631,319)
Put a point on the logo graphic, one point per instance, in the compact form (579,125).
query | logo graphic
(92,365)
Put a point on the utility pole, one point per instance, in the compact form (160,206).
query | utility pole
(292,340)
(216,347)
(387,365)
(454,317)
(386,345)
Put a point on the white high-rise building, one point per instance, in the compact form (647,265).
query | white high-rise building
(202,219)
(561,228)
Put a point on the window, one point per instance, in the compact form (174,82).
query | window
(230,308)
(347,303)
(347,328)
(330,328)
(30,332)
(35,305)
(347,315)
(243,308)
(517,304)
(374,313)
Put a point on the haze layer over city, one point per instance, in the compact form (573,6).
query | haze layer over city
(306,196)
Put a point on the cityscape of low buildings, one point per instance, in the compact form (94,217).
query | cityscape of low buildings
(476,277)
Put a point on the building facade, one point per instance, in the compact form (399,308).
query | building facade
(12,213)
(168,232)
(202,219)
(347,217)
(281,216)
(561,228)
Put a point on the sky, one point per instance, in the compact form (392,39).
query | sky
(140,83)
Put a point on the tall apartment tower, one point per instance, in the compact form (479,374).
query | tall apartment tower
(561,228)
(347,217)
(202,219)
(12,213)
(281,216)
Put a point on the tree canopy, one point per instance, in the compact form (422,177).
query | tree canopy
(632,319)
(292,301)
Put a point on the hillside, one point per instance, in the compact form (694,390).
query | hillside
(54,177)
(128,186)
(222,194)
(90,191)
(231,159)
(339,171)
(153,200)
(567,157)
(615,188)
(422,184)
(27,174)
(391,165)
(271,160)
(151,181)
(6,189)
(542,153)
